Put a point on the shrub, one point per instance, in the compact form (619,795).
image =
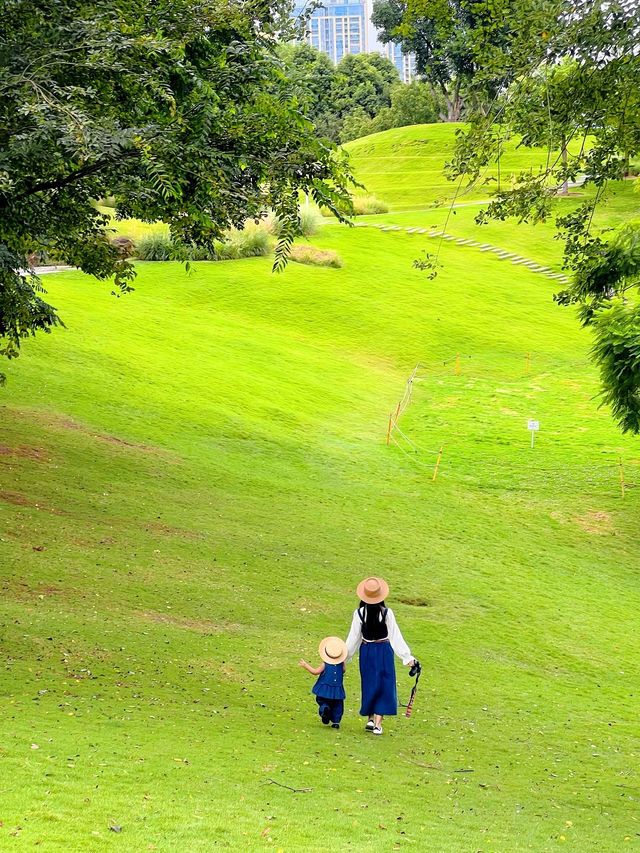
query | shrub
(365,205)
(310,219)
(250,242)
(313,256)
(156,247)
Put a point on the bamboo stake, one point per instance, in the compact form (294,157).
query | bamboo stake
(527,362)
(390,427)
(397,413)
(435,470)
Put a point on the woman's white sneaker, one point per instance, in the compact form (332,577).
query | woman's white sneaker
(370,726)
(376,730)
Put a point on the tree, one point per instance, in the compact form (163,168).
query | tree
(181,111)
(363,80)
(583,61)
(313,74)
(412,103)
(442,35)
(543,110)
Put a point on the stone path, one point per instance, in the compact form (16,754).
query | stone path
(51,268)
(502,254)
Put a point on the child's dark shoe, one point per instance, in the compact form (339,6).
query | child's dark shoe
(335,725)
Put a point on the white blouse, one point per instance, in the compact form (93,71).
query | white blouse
(398,644)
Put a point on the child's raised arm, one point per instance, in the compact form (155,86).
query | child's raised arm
(314,670)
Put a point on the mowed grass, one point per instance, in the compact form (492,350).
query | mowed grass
(195,477)
(405,166)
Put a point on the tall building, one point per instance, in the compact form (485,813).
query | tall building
(340,27)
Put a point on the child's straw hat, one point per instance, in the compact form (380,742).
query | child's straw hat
(372,590)
(333,650)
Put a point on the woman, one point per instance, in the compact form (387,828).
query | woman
(375,632)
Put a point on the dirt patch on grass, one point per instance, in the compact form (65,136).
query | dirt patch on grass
(64,422)
(16,499)
(37,454)
(168,530)
(26,592)
(597,522)
(415,602)
(200,626)
(69,423)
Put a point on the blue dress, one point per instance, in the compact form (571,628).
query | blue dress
(330,682)
(378,678)
(329,693)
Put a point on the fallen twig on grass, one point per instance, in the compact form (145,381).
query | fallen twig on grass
(289,788)
(431,766)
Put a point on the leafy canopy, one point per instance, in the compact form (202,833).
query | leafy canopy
(442,34)
(179,109)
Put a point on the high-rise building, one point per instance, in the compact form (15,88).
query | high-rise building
(340,27)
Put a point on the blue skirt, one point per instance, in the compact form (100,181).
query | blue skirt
(378,678)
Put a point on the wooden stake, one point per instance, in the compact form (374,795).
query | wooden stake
(435,470)
(397,413)
(622,484)
(457,364)
(527,362)
(390,427)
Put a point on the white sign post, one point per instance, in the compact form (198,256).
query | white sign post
(533,427)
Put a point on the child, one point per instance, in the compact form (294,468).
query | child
(328,689)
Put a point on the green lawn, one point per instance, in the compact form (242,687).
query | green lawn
(195,477)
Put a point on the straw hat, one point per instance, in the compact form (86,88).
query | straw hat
(372,590)
(333,650)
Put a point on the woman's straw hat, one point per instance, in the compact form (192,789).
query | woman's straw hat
(333,650)
(372,590)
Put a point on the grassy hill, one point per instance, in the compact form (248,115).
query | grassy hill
(195,477)
(404,166)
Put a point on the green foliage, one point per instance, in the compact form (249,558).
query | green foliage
(312,256)
(252,241)
(366,205)
(617,353)
(309,220)
(363,81)
(605,273)
(156,247)
(412,103)
(180,112)
(359,86)
(441,34)
(248,242)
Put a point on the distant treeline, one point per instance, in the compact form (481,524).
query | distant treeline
(360,95)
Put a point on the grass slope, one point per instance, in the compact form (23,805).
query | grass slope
(193,480)
(404,166)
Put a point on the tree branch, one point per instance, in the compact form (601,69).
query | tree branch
(78,175)
(289,788)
